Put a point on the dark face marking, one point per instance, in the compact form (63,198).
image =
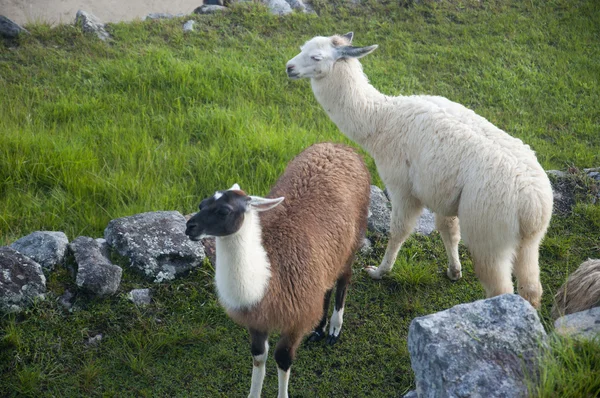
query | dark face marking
(218,217)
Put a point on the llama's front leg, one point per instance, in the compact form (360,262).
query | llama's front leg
(450,231)
(285,353)
(405,212)
(259,349)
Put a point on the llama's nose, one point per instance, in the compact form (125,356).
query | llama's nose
(290,68)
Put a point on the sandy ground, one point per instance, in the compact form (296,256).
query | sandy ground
(63,11)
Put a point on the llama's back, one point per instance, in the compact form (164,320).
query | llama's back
(315,230)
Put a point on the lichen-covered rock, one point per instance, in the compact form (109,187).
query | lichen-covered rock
(279,7)
(584,325)
(155,243)
(21,280)
(140,297)
(480,349)
(378,222)
(95,273)
(47,248)
(89,23)
(10,29)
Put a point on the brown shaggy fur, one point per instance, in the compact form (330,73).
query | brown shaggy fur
(580,292)
(310,238)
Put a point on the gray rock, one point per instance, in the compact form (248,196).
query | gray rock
(378,222)
(411,394)
(279,7)
(297,5)
(557,173)
(584,325)
(210,9)
(480,349)
(89,23)
(104,247)
(140,297)
(189,26)
(47,248)
(66,300)
(94,340)
(425,223)
(162,15)
(21,280)
(594,174)
(155,243)
(95,273)
(10,29)
(214,2)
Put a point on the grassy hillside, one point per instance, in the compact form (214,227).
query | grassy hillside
(157,119)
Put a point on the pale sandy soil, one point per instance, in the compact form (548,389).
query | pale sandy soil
(63,11)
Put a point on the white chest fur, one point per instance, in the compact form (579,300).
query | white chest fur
(243,269)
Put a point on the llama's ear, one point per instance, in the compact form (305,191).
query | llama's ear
(349,36)
(235,187)
(263,204)
(355,52)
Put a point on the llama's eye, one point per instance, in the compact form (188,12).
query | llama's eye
(223,211)
(316,58)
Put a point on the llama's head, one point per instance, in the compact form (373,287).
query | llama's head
(223,213)
(319,54)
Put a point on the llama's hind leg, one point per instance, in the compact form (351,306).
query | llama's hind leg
(450,232)
(527,271)
(405,211)
(494,271)
(320,332)
(337,318)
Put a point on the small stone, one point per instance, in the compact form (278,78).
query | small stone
(584,325)
(189,26)
(66,300)
(279,7)
(95,340)
(595,175)
(140,297)
(91,24)
(162,15)
(557,173)
(210,9)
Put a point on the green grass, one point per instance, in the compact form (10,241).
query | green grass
(158,119)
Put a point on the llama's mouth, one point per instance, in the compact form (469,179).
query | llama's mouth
(293,75)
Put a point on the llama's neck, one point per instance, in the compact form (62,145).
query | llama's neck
(243,270)
(350,100)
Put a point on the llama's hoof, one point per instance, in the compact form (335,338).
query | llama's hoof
(316,335)
(331,339)
(374,272)
(531,294)
(454,275)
